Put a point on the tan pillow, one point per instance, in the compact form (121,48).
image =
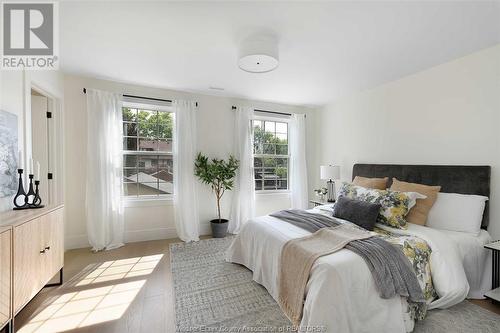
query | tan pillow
(374,183)
(418,214)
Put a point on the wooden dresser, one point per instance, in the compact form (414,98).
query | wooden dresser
(5,275)
(33,241)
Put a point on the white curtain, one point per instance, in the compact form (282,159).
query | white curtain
(243,205)
(185,196)
(104,208)
(298,167)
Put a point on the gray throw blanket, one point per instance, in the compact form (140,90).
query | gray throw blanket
(391,270)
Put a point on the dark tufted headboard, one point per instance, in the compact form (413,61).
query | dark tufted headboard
(462,179)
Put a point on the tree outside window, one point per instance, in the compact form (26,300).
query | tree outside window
(147,152)
(271,156)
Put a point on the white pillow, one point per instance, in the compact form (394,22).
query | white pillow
(457,212)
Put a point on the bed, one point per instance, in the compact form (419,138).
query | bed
(341,294)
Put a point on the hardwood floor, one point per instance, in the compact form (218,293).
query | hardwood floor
(123,290)
(487,304)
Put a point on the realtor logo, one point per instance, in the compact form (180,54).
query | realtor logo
(29,35)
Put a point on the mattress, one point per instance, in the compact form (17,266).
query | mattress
(341,295)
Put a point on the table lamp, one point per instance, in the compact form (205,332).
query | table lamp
(330,173)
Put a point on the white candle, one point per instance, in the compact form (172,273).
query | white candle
(31,166)
(37,170)
(20,160)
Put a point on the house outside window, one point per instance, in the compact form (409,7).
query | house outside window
(271,155)
(147,151)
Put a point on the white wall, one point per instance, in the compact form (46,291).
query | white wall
(15,97)
(154,219)
(449,114)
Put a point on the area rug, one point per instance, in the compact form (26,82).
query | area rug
(212,295)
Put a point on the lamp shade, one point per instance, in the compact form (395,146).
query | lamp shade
(259,54)
(330,172)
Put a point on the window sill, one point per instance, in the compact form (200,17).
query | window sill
(273,192)
(148,201)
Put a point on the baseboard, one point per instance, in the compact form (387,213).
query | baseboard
(149,234)
(205,229)
(131,236)
(76,242)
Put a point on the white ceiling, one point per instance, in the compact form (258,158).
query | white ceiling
(327,49)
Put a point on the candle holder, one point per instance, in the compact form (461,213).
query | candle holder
(24,200)
(21,195)
(30,196)
(37,201)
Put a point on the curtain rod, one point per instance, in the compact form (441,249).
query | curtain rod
(141,97)
(265,111)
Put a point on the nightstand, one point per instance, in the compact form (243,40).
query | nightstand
(318,202)
(494,294)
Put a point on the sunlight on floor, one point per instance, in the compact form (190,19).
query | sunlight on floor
(93,304)
(121,269)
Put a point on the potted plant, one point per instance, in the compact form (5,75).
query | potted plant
(219,174)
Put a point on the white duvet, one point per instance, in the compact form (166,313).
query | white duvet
(341,295)
(476,260)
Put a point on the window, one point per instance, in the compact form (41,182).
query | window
(271,156)
(147,151)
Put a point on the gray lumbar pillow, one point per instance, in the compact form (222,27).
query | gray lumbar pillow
(359,212)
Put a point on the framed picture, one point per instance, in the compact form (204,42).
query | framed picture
(8,154)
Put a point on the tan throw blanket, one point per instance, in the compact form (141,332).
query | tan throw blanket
(297,257)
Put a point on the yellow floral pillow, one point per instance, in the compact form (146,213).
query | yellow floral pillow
(395,204)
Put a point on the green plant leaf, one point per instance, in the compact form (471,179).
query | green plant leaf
(217,173)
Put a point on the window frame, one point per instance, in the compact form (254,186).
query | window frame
(280,119)
(133,201)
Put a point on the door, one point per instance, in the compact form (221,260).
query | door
(27,262)
(40,141)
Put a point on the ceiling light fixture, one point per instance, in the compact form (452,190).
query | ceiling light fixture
(259,54)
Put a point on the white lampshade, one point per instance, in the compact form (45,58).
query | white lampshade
(330,172)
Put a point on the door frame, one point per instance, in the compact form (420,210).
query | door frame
(56,137)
